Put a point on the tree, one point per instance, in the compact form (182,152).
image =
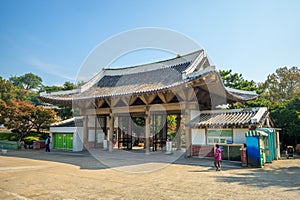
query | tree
(172,127)
(17,115)
(7,90)
(53,88)
(28,81)
(280,93)
(236,81)
(287,116)
(65,112)
(42,118)
(69,86)
(283,85)
(22,117)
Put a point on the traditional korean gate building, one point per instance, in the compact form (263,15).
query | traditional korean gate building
(115,100)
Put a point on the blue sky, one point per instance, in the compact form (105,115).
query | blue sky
(52,38)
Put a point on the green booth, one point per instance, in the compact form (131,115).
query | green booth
(270,144)
(63,141)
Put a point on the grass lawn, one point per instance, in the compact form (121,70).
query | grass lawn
(8,136)
(27,139)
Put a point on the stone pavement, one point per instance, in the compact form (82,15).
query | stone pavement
(119,159)
(35,174)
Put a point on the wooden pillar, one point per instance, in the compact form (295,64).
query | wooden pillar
(188,138)
(120,132)
(188,133)
(85,133)
(110,133)
(178,132)
(147,131)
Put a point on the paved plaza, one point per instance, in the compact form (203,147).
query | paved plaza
(35,174)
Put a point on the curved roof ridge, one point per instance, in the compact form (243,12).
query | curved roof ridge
(154,65)
(190,57)
(233,90)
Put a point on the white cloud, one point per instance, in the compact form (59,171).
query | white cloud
(38,41)
(49,68)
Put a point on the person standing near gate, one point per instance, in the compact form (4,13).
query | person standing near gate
(48,141)
(218,158)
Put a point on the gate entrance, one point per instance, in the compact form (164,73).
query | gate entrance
(131,131)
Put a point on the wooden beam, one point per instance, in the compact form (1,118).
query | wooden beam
(132,100)
(108,102)
(182,94)
(126,100)
(99,111)
(150,97)
(114,101)
(143,98)
(191,95)
(99,103)
(162,97)
(169,96)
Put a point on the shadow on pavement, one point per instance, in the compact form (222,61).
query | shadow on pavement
(82,159)
(117,159)
(284,177)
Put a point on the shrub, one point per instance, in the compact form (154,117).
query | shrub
(29,139)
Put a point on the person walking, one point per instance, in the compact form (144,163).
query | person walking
(218,158)
(48,141)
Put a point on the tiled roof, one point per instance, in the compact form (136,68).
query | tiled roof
(148,78)
(229,118)
(137,83)
(72,122)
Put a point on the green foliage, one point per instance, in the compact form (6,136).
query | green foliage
(171,121)
(42,118)
(280,93)
(69,86)
(7,90)
(54,88)
(8,136)
(28,81)
(16,115)
(287,116)
(236,81)
(65,113)
(22,117)
(283,85)
(30,139)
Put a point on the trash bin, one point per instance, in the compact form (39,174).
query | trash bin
(105,145)
(289,152)
(298,149)
(169,147)
(36,145)
(4,151)
(42,144)
(243,153)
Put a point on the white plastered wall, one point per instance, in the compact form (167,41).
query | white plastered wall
(198,137)
(239,135)
(194,113)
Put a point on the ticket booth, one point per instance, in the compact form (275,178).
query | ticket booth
(270,144)
(255,141)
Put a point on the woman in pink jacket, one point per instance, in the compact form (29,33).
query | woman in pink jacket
(218,158)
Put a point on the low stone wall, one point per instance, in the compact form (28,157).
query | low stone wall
(11,145)
(298,149)
(203,150)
